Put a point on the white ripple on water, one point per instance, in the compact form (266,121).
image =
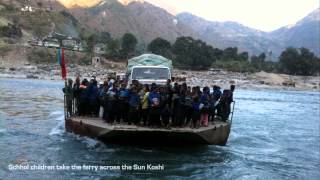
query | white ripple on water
(146,150)
(2,131)
(59,128)
(90,143)
(56,113)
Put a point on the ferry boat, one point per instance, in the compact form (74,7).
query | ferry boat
(216,132)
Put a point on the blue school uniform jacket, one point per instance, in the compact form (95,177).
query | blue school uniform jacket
(134,100)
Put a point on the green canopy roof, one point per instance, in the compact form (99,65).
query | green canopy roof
(149,60)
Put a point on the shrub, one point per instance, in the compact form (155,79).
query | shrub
(12,31)
(86,60)
(4,49)
(236,66)
(40,56)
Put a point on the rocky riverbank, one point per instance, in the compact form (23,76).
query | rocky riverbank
(261,80)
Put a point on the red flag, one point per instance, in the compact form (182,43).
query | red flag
(63,65)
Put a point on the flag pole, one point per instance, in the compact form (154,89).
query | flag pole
(61,62)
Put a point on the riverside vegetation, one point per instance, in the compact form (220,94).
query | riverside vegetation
(189,53)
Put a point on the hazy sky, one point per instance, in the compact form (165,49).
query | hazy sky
(264,15)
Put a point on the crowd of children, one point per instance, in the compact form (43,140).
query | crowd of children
(169,105)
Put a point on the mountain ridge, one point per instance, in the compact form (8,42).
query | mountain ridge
(148,21)
(304,33)
(230,34)
(141,19)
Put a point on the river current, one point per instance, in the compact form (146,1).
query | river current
(275,135)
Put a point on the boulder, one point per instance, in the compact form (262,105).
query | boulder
(289,83)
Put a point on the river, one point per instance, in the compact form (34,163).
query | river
(275,135)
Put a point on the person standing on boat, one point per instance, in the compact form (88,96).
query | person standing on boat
(68,91)
(123,107)
(225,102)
(100,103)
(93,94)
(103,98)
(214,101)
(232,88)
(112,102)
(175,105)
(134,102)
(144,113)
(154,104)
(181,113)
(76,95)
(169,92)
(204,106)
(165,111)
(83,100)
(188,107)
(196,111)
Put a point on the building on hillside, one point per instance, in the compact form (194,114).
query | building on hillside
(27,9)
(96,61)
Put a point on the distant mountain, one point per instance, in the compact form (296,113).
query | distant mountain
(230,34)
(42,18)
(143,19)
(147,22)
(305,33)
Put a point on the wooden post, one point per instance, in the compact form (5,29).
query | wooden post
(232,110)
(65,103)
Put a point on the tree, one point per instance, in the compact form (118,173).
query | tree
(262,56)
(181,49)
(128,45)
(104,37)
(270,66)
(91,42)
(244,56)
(230,53)
(12,31)
(258,62)
(113,48)
(299,61)
(193,53)
(218,53)
(308,62)
(289,60)
(161,47)
(140,48)
(71,17)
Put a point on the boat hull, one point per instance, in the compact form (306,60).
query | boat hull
(216,133)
